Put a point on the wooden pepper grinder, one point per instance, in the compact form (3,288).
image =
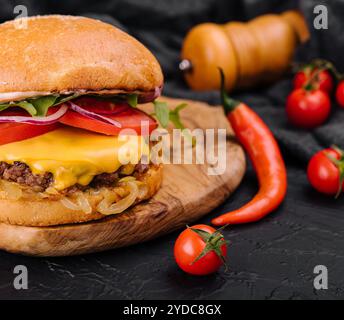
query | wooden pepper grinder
(250,53)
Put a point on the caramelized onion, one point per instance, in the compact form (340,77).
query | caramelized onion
(126,179)
(105,207)
(51,190)
(109,205)
(81,204)
(11,190)
(143,189)
(69,204)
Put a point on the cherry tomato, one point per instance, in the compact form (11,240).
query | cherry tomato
(308,108)
(129,119)
(191,244)
(340,93)
(323,174)
(12,132)
(323,80)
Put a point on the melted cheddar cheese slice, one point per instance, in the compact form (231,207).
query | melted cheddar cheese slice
(73,155)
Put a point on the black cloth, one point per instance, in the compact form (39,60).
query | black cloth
(272,259)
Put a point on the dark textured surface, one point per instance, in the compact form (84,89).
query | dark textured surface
(272,259)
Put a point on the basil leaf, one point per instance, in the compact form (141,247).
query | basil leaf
(175,118)
(162,113)
(42,104)
(132,99)
(180,107)
(176,121)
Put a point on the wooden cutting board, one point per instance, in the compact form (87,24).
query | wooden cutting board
(187,194)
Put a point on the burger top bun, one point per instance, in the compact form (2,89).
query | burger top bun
(64,54)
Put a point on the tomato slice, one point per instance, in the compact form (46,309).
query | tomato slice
(12,132)
(101,106)
(129,119)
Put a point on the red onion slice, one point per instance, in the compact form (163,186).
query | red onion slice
(150,96)
(37,120)
(93,115)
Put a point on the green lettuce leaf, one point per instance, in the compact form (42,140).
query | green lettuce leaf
(62,99)
(22,104)
(132,100)
(42,104)
(39,106)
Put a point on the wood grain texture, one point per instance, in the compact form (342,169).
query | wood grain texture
(187,194)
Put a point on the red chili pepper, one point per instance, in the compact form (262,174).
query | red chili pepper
(263,150)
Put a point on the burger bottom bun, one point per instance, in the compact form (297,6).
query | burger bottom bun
(52,212)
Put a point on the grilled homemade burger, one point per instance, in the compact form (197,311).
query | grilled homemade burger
(68,86)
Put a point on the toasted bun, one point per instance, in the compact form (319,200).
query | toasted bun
(49,212)
(66,54)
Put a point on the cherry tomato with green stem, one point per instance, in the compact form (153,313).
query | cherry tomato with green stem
(326,171)
(308,108)
(340,93)
(323,79)
(200,250)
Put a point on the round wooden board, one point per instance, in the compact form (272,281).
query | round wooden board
(187,194)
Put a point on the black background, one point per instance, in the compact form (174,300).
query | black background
(272,259)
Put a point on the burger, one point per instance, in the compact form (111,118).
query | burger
(69,88)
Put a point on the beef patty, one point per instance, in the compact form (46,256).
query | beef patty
(21,173)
